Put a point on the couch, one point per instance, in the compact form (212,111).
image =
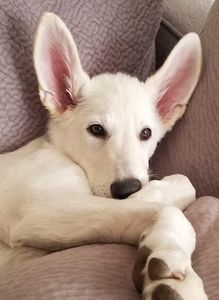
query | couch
(114,36)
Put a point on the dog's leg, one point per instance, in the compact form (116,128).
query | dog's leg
(64,223)
(163,268)
(55,220)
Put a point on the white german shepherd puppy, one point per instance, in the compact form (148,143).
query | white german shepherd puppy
(63,189)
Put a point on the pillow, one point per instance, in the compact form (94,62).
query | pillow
(100,272)
(192,147)
(111,36)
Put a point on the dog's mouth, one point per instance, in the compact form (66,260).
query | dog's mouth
(100,190)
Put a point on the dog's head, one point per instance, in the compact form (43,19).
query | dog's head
(110,124)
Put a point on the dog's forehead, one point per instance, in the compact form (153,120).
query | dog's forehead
(119,93)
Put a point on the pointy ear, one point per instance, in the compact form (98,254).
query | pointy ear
(174,83)
(58,68)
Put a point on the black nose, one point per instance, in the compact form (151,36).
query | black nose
(122,189)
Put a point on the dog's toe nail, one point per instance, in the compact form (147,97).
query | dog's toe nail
(178,275)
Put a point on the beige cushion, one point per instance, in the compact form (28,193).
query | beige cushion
(185,15)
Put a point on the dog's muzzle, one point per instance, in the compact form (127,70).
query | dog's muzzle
(123,189)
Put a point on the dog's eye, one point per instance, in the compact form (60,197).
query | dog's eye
(145,134)
(97,130)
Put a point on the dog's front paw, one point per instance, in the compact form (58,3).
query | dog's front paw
(166,275)
(174,190)
(181,192)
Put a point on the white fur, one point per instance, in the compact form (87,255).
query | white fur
(55,191)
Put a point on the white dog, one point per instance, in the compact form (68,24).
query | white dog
(63,189)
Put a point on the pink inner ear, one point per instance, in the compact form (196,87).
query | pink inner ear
(58,74)
(174,89)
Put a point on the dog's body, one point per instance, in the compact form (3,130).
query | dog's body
(54,192)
